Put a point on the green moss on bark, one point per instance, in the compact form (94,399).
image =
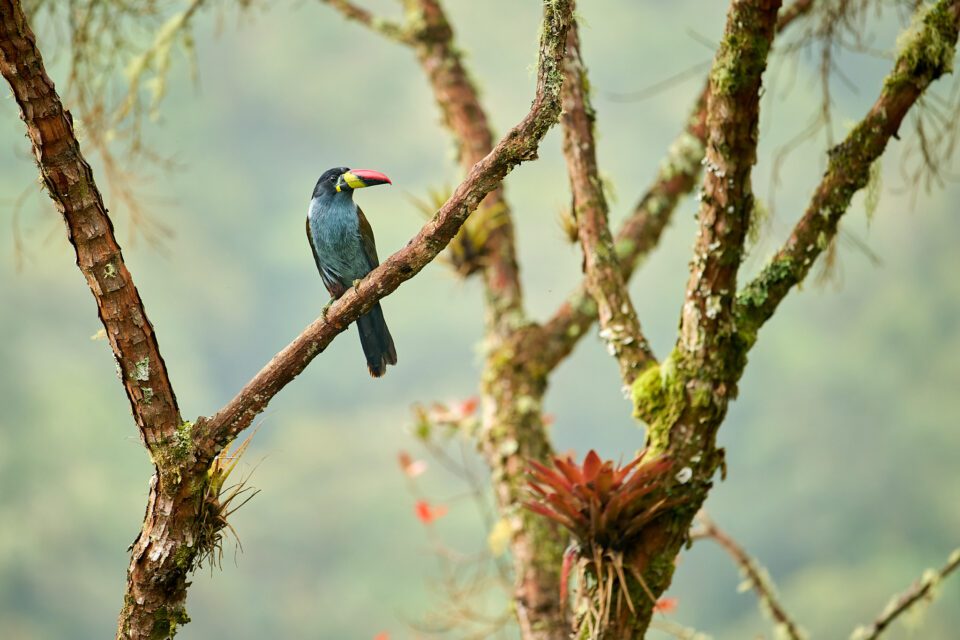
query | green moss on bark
(659,400)
(926,49)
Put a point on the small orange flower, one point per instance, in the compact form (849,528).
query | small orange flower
(410,467)
(469,406)
(428,513)
(382,636)
(666,605)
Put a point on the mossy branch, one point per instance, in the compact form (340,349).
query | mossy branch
(388,28)
(640,233)
(726,202)
(619,325)
(926,53)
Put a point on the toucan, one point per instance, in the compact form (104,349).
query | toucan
(345,251)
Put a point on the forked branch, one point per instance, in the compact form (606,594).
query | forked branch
(726,203)
(641,231)
(174,534)
(620,327)
(923,58)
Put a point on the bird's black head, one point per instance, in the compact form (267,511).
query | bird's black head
(345,180)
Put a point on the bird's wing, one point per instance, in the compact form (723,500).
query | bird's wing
(334,287)
(367,240)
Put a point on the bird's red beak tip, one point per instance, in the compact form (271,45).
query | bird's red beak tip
(368,175)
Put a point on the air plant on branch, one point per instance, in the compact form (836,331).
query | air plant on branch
(217,505)
(465,253)
(606,508)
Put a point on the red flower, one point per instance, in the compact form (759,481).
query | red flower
(469,406)
(428,513)
(666,605)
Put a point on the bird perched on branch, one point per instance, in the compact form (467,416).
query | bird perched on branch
(345,251)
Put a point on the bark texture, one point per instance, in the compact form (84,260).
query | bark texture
(69,182)
(605,281)
(640,232)
(156,585)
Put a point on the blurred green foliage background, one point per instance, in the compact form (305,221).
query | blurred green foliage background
(842,448)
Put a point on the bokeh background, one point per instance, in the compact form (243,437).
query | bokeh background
(842,447)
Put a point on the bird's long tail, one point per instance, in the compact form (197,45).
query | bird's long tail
(376,341)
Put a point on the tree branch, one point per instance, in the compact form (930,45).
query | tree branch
(755,574)
(620,327)
(465,117)
(387,28)
(513,382)
(685,400)
(518,145)
(920,590)
(71,186)
(924,57)
(641,231)
(156,578)
(182,522)
(427,30)
(733,109)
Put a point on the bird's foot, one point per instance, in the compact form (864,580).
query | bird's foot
(326,308)
(356,283)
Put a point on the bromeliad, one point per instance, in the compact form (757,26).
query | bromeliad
(345,251)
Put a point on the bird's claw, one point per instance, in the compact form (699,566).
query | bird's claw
(356,283)
(326,308)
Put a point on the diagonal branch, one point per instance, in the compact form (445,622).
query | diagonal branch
(755,574)
(923,58)
(70,184)
(726,203)
(920,590)
(641,231)
(620,327)
(427,30)
(518,145)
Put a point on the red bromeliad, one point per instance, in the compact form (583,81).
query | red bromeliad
(599,503)
(606,507)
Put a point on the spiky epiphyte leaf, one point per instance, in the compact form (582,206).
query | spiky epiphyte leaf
(568,223)
(602,504)
(218,503)
(606,507)
(465,253)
